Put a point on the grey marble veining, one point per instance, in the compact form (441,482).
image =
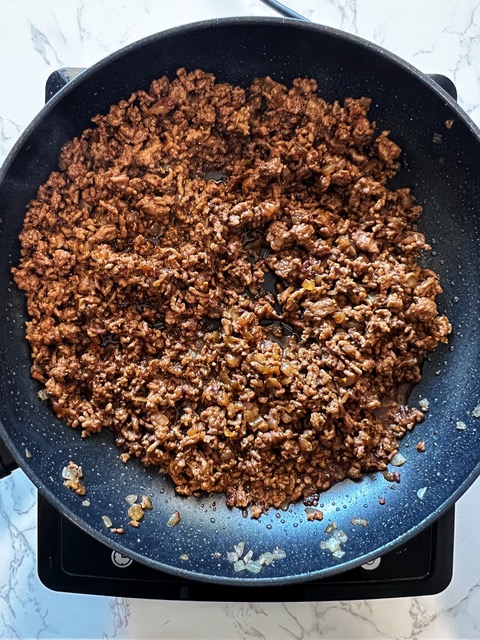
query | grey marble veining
(37,37)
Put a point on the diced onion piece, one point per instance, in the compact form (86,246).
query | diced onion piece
(239,548)
(308,285)
(248,556)
(313,514)
(135,512)
(107,522)
(331,545)
(279,554)
(232,360)
(232,556)
(398,460)
(476,411)
(340,536)
(68,474)
(421,492)
(146,503)
(160,420)
(239,566)
(184,557)
(85,503)
(253,566)
(266,558)
(424,404)
(173,520)
(331,527)
(131,499)
(461,426)
(359,521)
(72,472)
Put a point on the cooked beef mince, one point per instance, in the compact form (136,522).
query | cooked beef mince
(145,261)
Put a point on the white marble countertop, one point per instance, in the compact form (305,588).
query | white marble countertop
(36,37)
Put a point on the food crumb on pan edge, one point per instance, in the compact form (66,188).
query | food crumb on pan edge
(424,404)
(248,562)
(174,519)
(359,522)
(107,522)
(421,492)
(334,543)
(313,514)
(72,478)
(398,460)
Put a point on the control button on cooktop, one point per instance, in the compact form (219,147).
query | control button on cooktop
(121,561)
(373,564)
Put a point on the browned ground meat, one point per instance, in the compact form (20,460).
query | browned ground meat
(144,260)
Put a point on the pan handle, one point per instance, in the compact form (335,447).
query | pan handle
(446,84)
(7,463)
(284,11)
(58,79)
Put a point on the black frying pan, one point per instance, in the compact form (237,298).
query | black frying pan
(444,171)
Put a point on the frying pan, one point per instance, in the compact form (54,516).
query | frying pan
(439,163)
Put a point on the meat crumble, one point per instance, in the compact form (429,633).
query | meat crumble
(222,277)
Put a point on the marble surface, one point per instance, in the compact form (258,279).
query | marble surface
(35,38)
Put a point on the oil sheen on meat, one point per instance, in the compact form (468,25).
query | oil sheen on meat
(144,258)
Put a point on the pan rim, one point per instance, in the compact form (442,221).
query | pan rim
(50,106)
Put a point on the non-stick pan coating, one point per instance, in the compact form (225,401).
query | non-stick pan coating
(442,169)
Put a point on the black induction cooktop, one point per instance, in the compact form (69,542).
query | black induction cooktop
(71,560)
